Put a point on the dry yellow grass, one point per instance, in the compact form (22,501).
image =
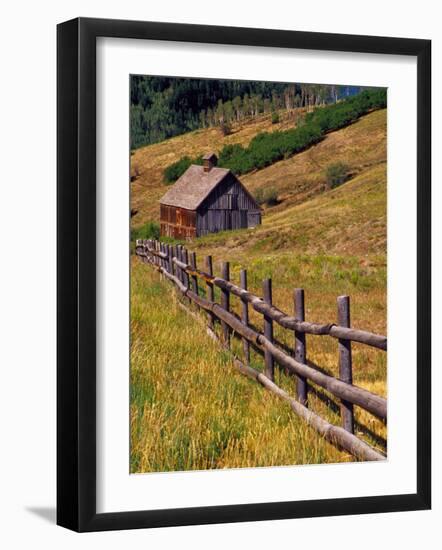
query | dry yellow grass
(361,145)
(189,408)
(349,220)
(150,161)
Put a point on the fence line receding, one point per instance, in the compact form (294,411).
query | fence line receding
(180,267)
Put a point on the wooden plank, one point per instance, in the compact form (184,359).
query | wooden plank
(225,302)
(372,403)
(210,291)
(166,259)
(268,330)
(300,346)
(171,264)
(245,317)
(180,257)
(185,255)
(333,434)
(291,323)
(194,278)
(345,362)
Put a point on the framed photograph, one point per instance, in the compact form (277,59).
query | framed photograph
(243,233)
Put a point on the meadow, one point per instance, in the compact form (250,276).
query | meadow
(190,409)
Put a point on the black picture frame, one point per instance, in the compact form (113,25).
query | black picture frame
(76,274)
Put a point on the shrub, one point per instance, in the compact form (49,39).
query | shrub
(267,196)
(177,169)
(275,117)
(269,147)
(174,170)
(225,128)
(135,172)
(271,197)
(150,230)
(336,174)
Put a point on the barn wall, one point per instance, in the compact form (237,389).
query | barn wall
(178,223)
(227,207)
(220,197)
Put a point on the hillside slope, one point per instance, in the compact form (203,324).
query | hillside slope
(328,242)
(150,161)
(360,146)
(348,220)
(308,218)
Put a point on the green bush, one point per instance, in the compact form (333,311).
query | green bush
(177,169)
(150,230)
(336,174)
(269,147)
(225,128)
(275,117)
(267,196)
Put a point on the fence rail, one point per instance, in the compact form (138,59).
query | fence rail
(180,267)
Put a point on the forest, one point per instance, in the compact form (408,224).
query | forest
(269,147)
(163,107)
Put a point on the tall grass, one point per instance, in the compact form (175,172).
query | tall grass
(190,409)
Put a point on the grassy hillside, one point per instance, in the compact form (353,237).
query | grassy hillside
(350,219)
(150,161)
(189,408)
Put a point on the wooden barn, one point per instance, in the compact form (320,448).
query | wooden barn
(207,199)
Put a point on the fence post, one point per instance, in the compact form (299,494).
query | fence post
(166,260)
(268,330)
(225,302)
(186,261)
(151,255)
(245,316)
(210,291)
(300,346)
(345,362)
(194,277)
(169,257)
(179,257)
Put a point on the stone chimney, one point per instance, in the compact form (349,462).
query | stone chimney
(209,161)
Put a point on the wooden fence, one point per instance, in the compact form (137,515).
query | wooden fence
(180,267)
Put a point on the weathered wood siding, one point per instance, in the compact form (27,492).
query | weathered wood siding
(177,222)
(227,207)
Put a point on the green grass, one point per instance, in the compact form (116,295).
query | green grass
(191,410)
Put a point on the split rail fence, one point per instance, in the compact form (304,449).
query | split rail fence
(179,266)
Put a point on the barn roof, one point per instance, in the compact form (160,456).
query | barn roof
(193,187)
